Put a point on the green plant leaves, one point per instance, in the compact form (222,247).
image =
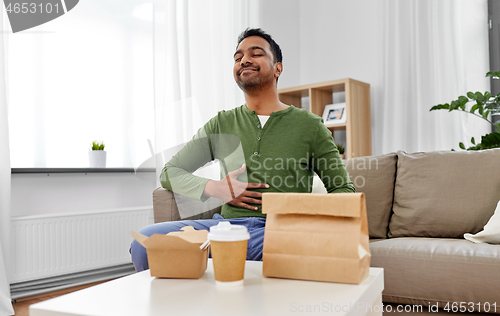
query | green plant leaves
(484,105)
(462,99)
(474,108)
(497,125)
(97,146)
(488,141)
(462,102)
(493,74)
(478,96)
(340,148)
(491,140)
(440,107)
(480,107)
(459,104)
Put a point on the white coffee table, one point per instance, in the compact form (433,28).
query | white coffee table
(142,295)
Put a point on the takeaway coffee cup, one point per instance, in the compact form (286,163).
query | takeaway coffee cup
(229,252)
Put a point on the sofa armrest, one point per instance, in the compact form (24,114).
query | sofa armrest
(165,208)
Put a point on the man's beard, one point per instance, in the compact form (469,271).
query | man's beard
(255,83)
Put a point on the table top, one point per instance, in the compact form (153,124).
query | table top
(141,294)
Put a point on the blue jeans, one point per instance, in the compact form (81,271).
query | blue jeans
(255,226)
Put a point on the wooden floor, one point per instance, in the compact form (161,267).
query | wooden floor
(21,305)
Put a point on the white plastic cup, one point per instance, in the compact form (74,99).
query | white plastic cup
(229,252)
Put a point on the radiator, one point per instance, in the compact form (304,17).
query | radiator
(47,246)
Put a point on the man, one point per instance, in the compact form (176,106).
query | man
(281,147)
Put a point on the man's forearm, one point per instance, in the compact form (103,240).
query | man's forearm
(210,188)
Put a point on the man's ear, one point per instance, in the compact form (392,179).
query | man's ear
(278,69)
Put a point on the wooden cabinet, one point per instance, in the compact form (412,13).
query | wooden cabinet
(357,98)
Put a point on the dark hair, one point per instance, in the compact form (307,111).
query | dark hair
(275,48)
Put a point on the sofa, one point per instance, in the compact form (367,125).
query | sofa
(419,206)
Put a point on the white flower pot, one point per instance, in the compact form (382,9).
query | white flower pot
(97,159)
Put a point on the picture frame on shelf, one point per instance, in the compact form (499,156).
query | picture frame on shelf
(334,114)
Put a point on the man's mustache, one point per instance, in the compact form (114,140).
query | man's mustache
(247,67)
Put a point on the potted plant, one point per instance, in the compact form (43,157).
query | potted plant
(484,105)
(341,150)
(97,155)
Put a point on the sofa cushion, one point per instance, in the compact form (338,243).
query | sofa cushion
(374,176)
(444,194)
(423,271)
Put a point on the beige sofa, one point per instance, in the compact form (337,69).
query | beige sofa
(419,207)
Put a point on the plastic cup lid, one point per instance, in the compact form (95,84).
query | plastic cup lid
(224,231)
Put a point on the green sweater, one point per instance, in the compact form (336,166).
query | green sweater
(285,153)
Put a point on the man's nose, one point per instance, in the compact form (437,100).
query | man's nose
(245,61)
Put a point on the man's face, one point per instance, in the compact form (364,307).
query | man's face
(254,66)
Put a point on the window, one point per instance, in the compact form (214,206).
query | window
(85,76)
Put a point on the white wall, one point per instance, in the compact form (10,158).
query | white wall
(326,40)
(39,194)
(281,19)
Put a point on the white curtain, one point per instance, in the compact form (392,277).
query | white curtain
(5,302)
(194,45)
(434,52)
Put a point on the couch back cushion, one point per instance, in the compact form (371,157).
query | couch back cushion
(374,176)
(445,193)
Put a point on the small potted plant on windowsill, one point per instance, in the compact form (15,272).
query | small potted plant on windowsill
(97,155)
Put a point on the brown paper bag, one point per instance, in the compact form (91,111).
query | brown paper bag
(319,237)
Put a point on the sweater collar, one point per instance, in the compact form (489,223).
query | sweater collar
(282,112)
